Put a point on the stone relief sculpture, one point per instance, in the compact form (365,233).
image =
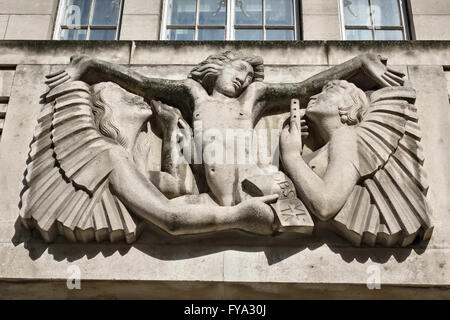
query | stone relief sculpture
(368,176)
(82,181)
(353,157)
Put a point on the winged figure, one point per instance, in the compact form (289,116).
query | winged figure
(366,175)
(82,181)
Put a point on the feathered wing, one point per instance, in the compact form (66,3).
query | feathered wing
(66,188)
(388,206)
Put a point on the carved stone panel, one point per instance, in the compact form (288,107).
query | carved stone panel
(347,152)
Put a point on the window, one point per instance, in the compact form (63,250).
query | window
(88,20)
(230,20)
(375,20)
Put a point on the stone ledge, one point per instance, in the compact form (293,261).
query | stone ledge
(158,52)
(398,52)
(113,289)
(257,265)
(59,52)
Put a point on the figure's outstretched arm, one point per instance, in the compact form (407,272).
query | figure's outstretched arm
(93,71)
(326,195)
(145,200)
(366,71)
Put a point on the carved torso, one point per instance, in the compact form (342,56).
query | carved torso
(226,130)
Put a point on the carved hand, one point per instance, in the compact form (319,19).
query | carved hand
(142,150)
(176,132)
(172,119)
(74,71)
(256,215)
(291,139)
(168,115)
(375,66)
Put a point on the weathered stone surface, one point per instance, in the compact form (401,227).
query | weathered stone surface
(400,52)
(51,52)
(319,19)
(19,128)
(431,100)
(320,7)
(447,75)
(142,7)
(288,53)
(430,7)
(28,27)
(140,27)
(3,25)
(37,7)
(321,27)
(6,81)
(275,53)
(426,26)
(343,187)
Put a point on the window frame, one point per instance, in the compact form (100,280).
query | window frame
(404,20)
(59,27)
(229,26)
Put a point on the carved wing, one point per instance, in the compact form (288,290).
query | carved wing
(66,189)
(389,204)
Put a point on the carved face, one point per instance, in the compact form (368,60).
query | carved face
(325,104)
(234,78)
(127,106)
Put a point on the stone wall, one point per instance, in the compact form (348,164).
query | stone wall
(141,20)
(27,20)
(431,19)
(228,264)
(320,20)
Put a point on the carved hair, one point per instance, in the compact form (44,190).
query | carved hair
(207,71)
(103,113)
(355,101)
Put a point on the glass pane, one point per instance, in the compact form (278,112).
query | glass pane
(180,34)
(106,12)
(102,35)
(279,13)
(73,34)
(211,34)
(386,13)
(248,12)
(358,34)
(357,13)
(212,13)
(277,34)
(248,34)
(77,13)
(389,34)
(182,12)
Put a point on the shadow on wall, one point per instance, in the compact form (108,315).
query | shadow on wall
(162,246)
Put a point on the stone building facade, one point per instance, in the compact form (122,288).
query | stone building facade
(142,19)
(230,264)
